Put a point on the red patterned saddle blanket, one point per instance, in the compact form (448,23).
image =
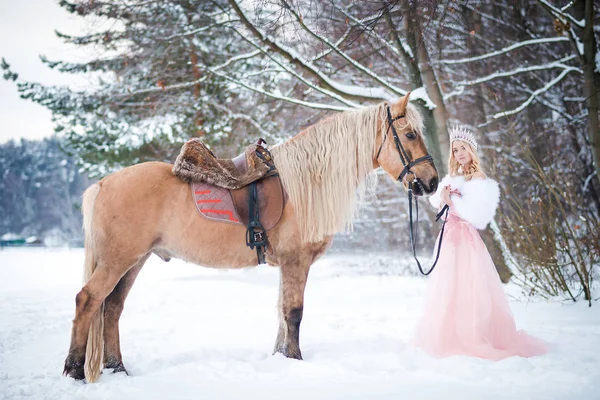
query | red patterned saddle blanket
(231,206)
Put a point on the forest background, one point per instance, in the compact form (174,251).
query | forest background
(523,75)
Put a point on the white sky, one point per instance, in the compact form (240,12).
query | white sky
(26,31)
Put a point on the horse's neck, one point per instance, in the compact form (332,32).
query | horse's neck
(311,140)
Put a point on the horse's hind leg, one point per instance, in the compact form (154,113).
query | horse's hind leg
(88,301)
(113,307)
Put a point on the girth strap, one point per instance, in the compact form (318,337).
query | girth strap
(256,235)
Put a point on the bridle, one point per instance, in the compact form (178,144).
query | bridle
(408,164)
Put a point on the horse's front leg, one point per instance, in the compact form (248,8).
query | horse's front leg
(291,305)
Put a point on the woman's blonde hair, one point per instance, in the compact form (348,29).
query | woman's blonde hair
(473,167)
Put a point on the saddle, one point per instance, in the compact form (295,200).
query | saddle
(245,190)
(197,163)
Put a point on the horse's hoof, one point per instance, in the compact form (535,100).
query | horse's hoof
(74,370)
(120,368)
(115,364)
(296,355)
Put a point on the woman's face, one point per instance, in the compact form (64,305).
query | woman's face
(460,152)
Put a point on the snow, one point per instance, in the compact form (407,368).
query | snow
(356,90)
(421,93)
(31,239)
(579,43)
(193,333)
(10,236)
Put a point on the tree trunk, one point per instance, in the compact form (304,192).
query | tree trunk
(440,115)
(416,80)
(591,82)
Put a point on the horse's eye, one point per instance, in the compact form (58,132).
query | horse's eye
(411,135)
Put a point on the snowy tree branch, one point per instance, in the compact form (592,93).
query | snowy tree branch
(489,17)
(318,106)
(361,22)
(246,118)
(325,53)
(536,93)
(199,30)
(238,58)
(165,88)
(343,54)
(504,50)
(554,64)
(559,110)
(298,76)
(360,94)
(560,14)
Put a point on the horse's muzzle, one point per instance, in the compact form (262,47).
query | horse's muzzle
(420,188)
(433,185)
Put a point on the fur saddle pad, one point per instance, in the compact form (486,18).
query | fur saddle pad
(196,163)
(231,206)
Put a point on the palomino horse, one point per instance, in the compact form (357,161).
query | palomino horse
(145,209)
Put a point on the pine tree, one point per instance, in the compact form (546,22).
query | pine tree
(149,95)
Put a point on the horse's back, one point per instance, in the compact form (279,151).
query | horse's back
(141,180)
(133,203)
(153,170)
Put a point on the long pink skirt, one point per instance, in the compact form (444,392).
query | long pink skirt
(466,311)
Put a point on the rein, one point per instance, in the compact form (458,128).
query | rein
(413,233)
(408,164)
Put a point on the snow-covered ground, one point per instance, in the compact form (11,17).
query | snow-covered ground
(194,333)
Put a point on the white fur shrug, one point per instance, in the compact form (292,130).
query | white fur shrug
(478,202)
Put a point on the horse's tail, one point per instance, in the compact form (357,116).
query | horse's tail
(94,352)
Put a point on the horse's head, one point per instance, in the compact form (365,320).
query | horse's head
(401,148)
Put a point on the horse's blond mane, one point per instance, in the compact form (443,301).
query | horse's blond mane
(325,168)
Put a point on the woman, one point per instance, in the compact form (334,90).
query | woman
(466,311)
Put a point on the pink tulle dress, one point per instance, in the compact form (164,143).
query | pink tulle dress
(466,311)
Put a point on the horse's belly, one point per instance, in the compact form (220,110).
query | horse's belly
(212,244)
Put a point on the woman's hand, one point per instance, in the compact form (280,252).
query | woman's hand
(447,192)
(455,192)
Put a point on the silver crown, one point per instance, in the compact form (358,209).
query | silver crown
(459,132)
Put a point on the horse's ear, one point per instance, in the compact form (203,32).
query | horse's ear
(402,104)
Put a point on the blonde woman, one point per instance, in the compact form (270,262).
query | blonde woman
(466,311)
